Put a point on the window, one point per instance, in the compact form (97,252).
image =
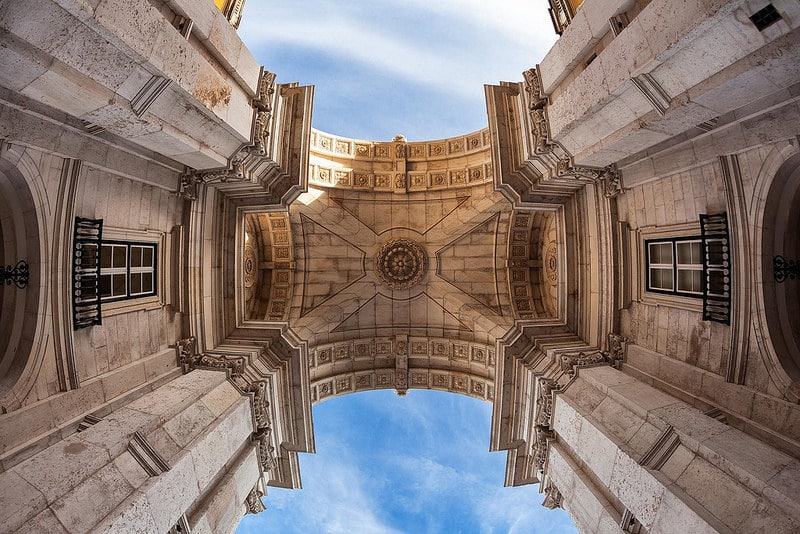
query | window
(675,266)
(765,17)
(127,270)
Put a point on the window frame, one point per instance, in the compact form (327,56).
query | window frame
(164,263)
(674,266)
(128,270)
(638,279)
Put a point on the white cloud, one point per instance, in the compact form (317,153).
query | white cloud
(450,46)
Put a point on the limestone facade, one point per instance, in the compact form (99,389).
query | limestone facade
(611,263)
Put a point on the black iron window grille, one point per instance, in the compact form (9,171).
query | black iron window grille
(15,274)
(87,244)
(716,268)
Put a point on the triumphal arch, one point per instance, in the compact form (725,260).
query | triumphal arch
(188,266)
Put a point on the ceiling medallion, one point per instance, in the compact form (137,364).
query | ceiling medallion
(400,263)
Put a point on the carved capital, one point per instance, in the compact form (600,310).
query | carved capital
(254,504)
(544,401)
(234,364)
(552,497)
(260,404)
(570,362)
(186,350)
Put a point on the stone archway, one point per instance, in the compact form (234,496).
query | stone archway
(19,299)
(780,250)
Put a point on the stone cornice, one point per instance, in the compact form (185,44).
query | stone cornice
(530,167)
(274,162)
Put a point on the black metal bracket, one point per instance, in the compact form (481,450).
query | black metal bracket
(784,269)
(17,275)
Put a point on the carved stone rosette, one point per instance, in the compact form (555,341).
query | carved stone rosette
(400,263)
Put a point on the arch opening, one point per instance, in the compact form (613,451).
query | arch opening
(417,463)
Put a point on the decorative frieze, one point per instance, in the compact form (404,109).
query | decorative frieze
(344,163)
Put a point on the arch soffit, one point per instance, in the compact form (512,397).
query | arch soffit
(777,167)
(401,364)
(24,175)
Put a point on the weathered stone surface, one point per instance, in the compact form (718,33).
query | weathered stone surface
(82,508)
(63,467)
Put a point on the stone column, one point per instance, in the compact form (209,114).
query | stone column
(622,451)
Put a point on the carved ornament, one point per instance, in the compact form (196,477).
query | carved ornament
(234,364)
(552,497)
(236,169)
(570,362)
(254,503)
(400,263)
(608,177)
(544,401)
(542,437)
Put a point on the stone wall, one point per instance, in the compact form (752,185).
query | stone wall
(140,468)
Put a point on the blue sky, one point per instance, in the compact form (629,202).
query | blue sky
(415,67)
(416,464)
(385,464)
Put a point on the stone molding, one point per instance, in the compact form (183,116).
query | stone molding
(144,453)
(608,177)
(562,367)
(531,168)
(257,148)
(279,135)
